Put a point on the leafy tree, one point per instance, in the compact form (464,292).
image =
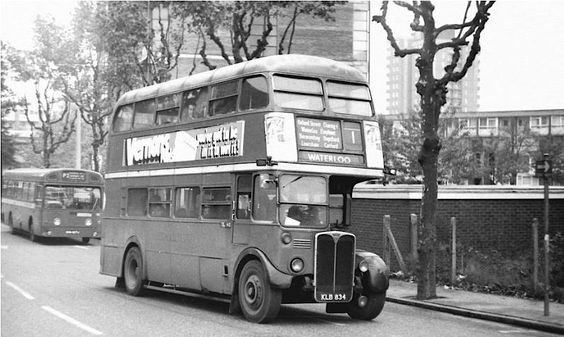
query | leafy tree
(90,81)
(509,154)
(433,96)
(141,41)
(55,121)
(229,25)
(554,147)
(9,104)
(401,143)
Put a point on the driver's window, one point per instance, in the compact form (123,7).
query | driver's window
(264,203)
(336,207)
(244,186)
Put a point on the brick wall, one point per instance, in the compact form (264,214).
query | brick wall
(498,218)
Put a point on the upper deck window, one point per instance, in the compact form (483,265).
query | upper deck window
(124,117)
(348,98)
(223,98)
(298,93)
(254,93)
(194,104)
(167,109)
(144,114)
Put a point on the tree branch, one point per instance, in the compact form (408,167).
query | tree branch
(381,19)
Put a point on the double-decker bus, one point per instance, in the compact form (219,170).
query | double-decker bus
(236,184)
(54,202)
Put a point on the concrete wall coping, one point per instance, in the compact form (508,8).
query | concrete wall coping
(452,192)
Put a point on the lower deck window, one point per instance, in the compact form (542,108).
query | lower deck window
(187,202)
(216,203)
(137,202)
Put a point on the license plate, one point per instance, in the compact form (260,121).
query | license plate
(340,297)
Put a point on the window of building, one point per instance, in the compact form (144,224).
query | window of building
(254,93)
(223,98)
(216,203)
(124,117)
(159,202)
(144,114)
(187,202)
(538,121)
(487,123)
(137,201)
(557,121)
(195,104)
(464,123)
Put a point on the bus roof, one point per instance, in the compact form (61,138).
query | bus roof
(41,173)
(302,65)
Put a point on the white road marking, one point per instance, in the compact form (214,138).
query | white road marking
(20,290)
(4,247)
(512,331)
(72,320)
(81,247)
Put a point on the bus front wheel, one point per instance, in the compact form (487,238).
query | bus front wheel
(259,302)
(133,272)
(366,307)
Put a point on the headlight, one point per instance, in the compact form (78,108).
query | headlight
(297,265)
(286,238)
(56,221)
(363,266)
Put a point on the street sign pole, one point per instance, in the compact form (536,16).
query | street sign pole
(546,174)
(543,169)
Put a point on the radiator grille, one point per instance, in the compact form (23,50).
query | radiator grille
(334,266)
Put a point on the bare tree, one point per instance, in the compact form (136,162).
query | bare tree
(55,125)
(433,96)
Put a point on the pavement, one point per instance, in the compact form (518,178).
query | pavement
(504,309)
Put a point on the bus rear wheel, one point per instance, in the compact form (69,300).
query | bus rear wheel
(32,236)
(85,240)
(259,302)
(133,272)
(366,307)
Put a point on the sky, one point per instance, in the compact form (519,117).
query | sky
(521,62)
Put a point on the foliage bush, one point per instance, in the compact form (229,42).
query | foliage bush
(490,271)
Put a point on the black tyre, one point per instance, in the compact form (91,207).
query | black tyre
(372,308)
(85,240)
(259,302)
(133,272)
(32,236)
(11,224)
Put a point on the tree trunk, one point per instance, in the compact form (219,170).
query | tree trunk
(426,273)
(95,157)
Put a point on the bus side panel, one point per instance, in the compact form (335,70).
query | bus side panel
(212,275)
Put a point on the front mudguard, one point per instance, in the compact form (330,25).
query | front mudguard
(372,283)
(376,279)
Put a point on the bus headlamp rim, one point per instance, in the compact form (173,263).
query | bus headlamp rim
(297,265)
(286,238)
(363,266)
